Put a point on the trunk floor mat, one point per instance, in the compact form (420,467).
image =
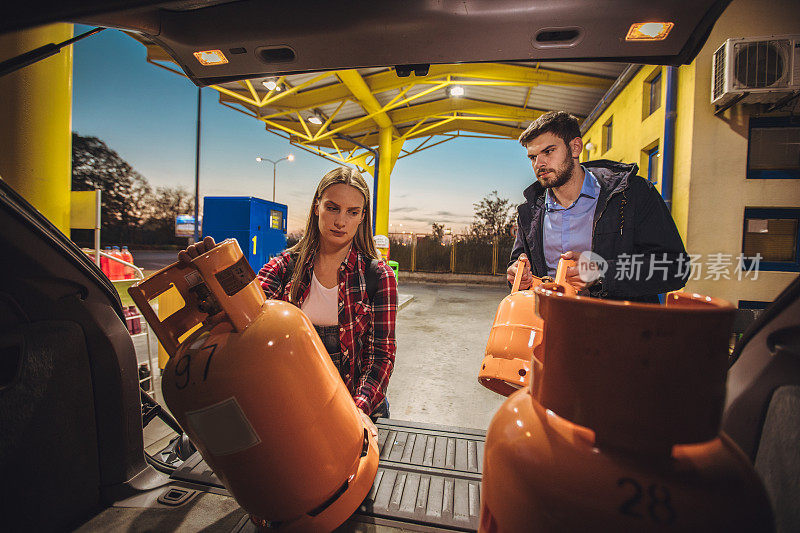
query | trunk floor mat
(428,475)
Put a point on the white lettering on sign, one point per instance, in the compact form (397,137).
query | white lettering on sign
(381,241)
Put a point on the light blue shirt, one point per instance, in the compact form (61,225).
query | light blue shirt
(569,228)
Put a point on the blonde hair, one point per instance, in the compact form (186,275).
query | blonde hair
(309,243)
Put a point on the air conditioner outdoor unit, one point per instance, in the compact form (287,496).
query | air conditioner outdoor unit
(755,70)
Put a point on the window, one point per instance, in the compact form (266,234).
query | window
(653,161)
(755,305)
(773,233)
(652,93)
(608,134)
(773,148)
(748,312)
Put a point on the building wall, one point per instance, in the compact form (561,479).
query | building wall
(710,189)
(719,188)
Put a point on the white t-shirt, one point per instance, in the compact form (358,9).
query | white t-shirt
(322,304)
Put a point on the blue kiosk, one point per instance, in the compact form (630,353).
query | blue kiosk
(259,225)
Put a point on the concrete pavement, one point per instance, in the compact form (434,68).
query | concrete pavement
(441,338)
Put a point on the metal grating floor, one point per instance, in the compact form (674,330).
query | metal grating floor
(428,475)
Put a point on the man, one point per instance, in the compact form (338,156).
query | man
(601,207)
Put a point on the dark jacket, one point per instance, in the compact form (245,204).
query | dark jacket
(630,218)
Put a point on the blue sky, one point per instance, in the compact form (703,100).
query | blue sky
(148,115)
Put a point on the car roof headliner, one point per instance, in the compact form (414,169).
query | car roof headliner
(323,35)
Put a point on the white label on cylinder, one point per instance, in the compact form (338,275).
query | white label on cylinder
(223,427)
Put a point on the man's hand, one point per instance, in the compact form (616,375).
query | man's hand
(368,423)
(527,276)
(185,256)
(573,276)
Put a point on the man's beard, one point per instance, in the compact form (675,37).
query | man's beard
(561,175)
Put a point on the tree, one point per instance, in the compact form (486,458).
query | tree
(124,191)
(437,232)
(131,211)
(162,209)
(493,217)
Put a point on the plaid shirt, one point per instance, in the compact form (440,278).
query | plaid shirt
(366,329)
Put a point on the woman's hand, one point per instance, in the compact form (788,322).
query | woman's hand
(368,423)
(186,256)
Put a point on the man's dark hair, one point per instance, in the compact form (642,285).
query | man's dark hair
(559,123)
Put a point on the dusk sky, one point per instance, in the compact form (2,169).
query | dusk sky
(148,116)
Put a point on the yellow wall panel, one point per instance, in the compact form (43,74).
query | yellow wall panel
(684,132)
(631,133)
(83,210)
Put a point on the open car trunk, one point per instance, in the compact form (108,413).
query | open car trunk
(72,445)
(71,442)
(266,38)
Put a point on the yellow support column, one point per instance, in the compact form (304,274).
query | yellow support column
(388,150)
(36,123)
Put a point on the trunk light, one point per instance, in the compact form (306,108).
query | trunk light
(649,31)
(211,57)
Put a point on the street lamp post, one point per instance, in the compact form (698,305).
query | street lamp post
(289,157)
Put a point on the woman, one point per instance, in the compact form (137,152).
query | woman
(326,274)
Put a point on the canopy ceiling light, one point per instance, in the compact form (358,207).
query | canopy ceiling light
(456,90)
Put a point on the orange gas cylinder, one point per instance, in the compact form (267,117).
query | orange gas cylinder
(515,335)
(619,430)
(257,393)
